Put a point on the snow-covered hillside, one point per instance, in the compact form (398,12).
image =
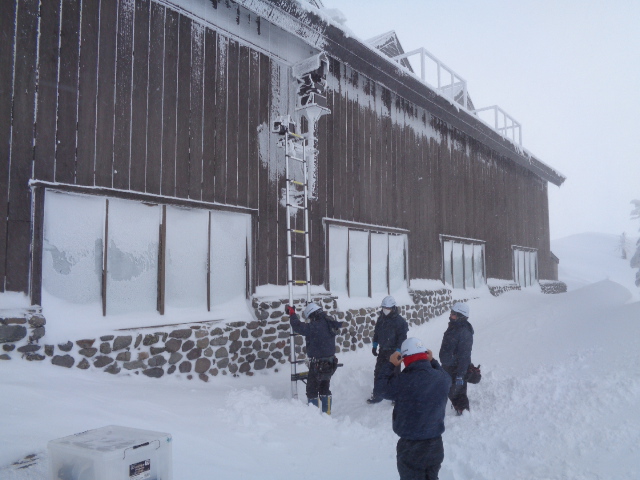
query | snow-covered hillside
(559,398)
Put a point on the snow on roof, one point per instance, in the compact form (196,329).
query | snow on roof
(325,29)
(389,44)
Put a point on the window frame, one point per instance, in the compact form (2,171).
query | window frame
(463,241)
(152,201)
(515,271)
(369,229)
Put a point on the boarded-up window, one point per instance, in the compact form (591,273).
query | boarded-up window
(202,249)
(229,237)
(397,263)
(187,258)
(338,258)
(525,266)
(358,263)
(366,263)
(132,256)
(379,263)
(72,248)
(463,262)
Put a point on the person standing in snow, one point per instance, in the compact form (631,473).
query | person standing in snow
(455,354)
(420,396)
(390,331)
(320,336)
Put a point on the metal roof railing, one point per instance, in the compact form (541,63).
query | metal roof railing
(451,85)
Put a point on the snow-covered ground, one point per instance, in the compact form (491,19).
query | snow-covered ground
(559,398)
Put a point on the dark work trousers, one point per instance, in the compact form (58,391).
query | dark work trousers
(419,459)
(381,359)
(319,378)
(457,394)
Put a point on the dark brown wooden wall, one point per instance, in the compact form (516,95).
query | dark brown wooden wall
(387,162)
(131,96)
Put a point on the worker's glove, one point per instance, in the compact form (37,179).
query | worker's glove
(459,382)
(289,310)
(374,350)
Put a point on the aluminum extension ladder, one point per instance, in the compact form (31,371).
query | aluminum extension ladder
(293,144)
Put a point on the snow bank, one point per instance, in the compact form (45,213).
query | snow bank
(590,257)
(558,400)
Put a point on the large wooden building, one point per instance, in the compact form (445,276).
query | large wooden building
(140,169)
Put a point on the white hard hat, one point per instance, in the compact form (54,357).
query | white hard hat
(461,308)
(411,346)
(388,302)
(309,309)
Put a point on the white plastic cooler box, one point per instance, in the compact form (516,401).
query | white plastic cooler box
(111,453)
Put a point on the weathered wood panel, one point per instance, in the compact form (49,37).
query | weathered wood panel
(253,124)
(264,257)
(169,105)
(45,141)
(244,93)
(106,91)
(220,167)
(139,95)
(122,112)
(209,116)
(68,92)
(183,113)
(155,99)
(232,124)
(7,41)
(195,119)
(19,211)
(88,84)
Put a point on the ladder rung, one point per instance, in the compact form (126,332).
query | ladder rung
(298,361)
(297,231)
(298,282)
(299,377)
(299,256)
(295,206)
(296,182)
(302,160)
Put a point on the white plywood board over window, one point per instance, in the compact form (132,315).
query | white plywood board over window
(358,263)
(379,261)
(72,248)
(132,257)
(187,258)
(338,255)
(229,235)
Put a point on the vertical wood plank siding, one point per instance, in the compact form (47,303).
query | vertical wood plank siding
(68,92)
(7,42)
(131,95)
(139,95)
(22,152)
(123,99)
(45,144)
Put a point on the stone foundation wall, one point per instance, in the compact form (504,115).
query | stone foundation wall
(20,334)
(207,349)
(553,286)
(499,290)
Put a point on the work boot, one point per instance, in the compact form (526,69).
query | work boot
(325,400)
(314,401)
(373,400)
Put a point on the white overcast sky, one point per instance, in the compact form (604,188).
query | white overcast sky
(567,70)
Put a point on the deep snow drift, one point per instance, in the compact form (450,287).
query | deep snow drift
(558,399)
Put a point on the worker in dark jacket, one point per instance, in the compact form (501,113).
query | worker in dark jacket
(420,396)
(455,354)
(320,336)
(390,331)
